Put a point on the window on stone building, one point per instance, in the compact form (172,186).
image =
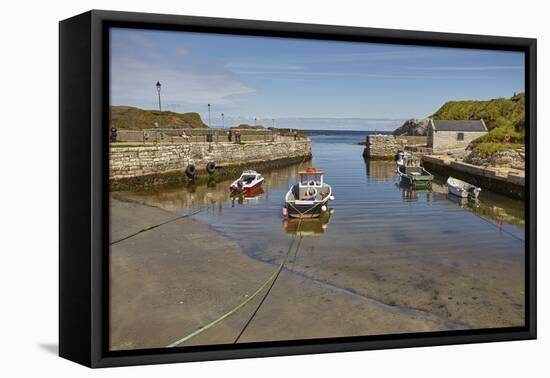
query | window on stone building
(460,136)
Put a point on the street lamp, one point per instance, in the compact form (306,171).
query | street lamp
(160,110)
(209,123)
(223,122)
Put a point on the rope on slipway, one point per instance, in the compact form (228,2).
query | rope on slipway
(272,279)
(155,226)
(267,292)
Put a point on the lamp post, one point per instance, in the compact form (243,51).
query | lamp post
(254,121)
(223,122)
(160,110)
(209,124)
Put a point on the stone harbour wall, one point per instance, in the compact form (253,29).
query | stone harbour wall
(145,165)
(383,147)
(507,181)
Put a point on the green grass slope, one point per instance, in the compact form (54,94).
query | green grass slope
(130,118)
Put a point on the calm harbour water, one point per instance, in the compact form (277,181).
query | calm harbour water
(405,247)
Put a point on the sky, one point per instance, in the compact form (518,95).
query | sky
(296,82)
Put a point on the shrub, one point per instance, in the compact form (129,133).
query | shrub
(500,134)
(489,149)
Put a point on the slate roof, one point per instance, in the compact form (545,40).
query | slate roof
(458,125)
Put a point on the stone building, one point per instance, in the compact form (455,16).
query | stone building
(447,135)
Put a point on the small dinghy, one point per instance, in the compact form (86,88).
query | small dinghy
(249,183)
(308,198)
(462,188)
(411,171)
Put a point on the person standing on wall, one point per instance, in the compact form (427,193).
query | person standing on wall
(238,136)
(229,135)
(113,134)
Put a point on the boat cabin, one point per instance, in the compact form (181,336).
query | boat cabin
(310,184)
(311,177)
(412,165)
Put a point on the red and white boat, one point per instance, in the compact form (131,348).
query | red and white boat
(250,182)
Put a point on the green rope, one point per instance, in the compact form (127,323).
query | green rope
(213,323)
(155,226)
(273,277)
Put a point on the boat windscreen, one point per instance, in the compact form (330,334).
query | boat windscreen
(312,179)
(248,178)
(412,162)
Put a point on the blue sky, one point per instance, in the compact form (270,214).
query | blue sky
(292,79)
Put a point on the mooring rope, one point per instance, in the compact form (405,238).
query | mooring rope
(155,226)
(268,290)
(229,313)
(272,279)
(296,251)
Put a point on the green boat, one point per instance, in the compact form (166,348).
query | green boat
(412,172)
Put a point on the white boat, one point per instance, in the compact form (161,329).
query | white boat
(249,183)
(462,188)
(308,198)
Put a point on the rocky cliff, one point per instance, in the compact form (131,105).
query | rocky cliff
(418,127)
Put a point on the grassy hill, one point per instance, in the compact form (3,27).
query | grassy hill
(130,118)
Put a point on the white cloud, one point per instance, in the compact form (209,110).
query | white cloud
(133,83)
(137,64)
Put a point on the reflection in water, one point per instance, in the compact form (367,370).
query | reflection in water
(249,198)
(464,203)
(492,206)
(487,208)
(308,226)
(410,194)
(190,195)
(380,170)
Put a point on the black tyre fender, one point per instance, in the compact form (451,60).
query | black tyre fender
(211,167)
(190,170)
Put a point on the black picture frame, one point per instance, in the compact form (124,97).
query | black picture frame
(83,181)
